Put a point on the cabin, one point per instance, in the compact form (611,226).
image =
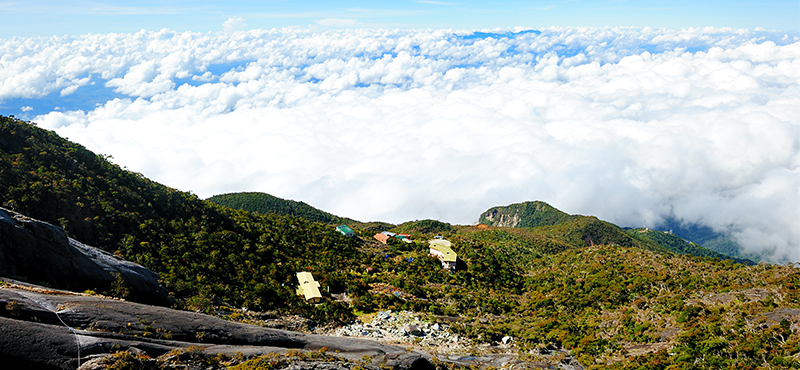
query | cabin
(308,288)
(345,230)
(441,249)
(381,237)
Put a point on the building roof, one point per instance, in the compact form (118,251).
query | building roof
(308,287)
(443,246)
(383,238)
(344,229)
(442,242)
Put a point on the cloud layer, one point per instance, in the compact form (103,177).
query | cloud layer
(626,124)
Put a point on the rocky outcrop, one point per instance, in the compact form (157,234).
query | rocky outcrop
(55,330)
(40,253)
(527,214)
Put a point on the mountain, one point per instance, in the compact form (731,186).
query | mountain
(203,253)
(708,238)
(590,230)
(267,204)
(527,214)
(678,245)
(564,289)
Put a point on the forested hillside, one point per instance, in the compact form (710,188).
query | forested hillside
(575,228)
(267,204)
(613,298)
(203,252)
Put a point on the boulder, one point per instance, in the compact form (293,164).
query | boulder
(411,330)
(49,329)
(40,253)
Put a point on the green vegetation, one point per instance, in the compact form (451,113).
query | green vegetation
(574,228)
(709,239)
(424,227)
(614,298)
(678,245)
(267,204)
(203,252)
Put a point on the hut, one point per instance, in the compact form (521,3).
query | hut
(308,287)
(345,230)
(381,237)
(441,249)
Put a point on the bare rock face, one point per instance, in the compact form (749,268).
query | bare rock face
(40,253)
(47,329)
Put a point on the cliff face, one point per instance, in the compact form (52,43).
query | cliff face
(40,253)
(496,217)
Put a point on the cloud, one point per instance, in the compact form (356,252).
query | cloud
(626,124)
(234,24)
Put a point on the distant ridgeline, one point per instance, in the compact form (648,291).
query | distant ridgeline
(708,238)
(538,214)
(267,204)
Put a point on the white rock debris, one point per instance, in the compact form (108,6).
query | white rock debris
(406,327)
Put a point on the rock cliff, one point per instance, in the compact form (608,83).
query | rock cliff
(40,253)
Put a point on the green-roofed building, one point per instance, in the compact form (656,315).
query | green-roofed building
(345,230)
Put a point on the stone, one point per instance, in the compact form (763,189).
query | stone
(40,253)
(411,330)
(33,336)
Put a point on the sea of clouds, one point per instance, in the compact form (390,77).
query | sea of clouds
(630,125)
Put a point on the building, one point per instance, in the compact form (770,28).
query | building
(308,288)
(441,249)
(345,230)
(381,237)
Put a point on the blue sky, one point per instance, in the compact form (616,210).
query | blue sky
(70,17)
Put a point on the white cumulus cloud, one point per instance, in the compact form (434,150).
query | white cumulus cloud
(626,124)
(234,24)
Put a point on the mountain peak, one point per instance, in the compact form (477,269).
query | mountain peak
(526,214)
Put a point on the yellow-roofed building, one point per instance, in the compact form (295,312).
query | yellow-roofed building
(441,249)
(308,287)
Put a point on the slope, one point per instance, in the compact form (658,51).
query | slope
(267,204)
(678,245)
(576,229)
(204,253)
